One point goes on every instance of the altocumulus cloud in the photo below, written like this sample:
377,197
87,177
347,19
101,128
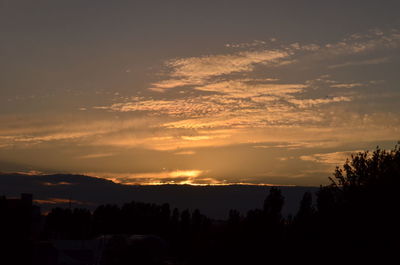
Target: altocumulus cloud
293,95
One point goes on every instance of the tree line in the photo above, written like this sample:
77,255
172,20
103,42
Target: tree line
353,220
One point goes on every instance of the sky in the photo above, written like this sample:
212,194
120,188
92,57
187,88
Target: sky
197,92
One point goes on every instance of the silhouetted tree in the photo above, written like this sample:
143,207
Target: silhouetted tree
197,219
106,219
273,205
357,210
306,208
234,217
185,220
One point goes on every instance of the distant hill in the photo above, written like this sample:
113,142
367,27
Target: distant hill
84,191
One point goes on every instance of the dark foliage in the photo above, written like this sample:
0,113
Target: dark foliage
354,220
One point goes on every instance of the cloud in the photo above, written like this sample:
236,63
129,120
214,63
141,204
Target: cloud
31,130
182,177
333,158
248,96
348,85
239,89
185,152
306,103
60,200
96,155
195,68
235,104
196,138
192,106
200,70
163,85
254,43
62,183
192,177
361,43
362,62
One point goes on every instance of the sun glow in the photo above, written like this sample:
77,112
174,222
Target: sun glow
177,177
186,173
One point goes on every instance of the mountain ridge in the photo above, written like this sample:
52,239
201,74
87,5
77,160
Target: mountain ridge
88,192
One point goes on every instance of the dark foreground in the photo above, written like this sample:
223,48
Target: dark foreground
353,221
65,190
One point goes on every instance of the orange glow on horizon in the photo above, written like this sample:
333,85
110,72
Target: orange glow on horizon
149,179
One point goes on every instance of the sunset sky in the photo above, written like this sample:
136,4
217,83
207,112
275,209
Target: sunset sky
197,92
